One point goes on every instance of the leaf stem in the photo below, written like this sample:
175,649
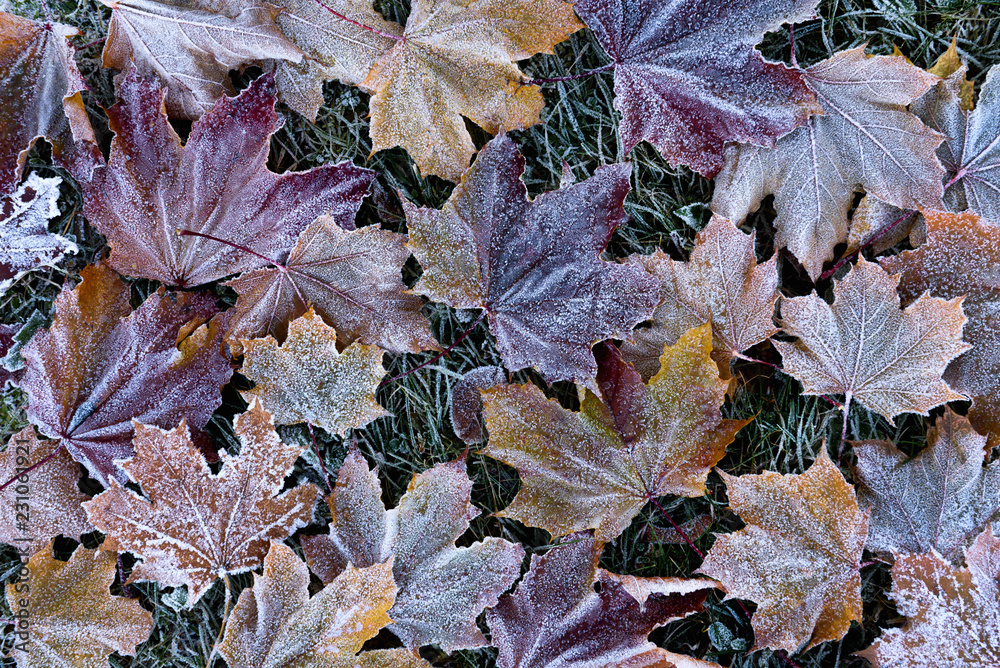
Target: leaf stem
222,626
572,77
33,466
439,355
358,24
190,233
843,428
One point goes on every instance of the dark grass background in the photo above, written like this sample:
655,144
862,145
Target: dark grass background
667,205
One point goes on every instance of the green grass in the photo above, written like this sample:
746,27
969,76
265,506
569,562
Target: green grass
667,205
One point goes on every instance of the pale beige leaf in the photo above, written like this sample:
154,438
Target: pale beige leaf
307,380
865,140
721,283
866,348
953,614
41,504
194,526
276,625
192,44
797,558
442,588
73,621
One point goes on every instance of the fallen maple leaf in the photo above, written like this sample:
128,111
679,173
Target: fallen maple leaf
350,277
534,266
307,380
217,183
41,86
721,283
100,365
797,558
865,139
688,79
959,260
191,45
25,241
866,348
596,469
39,507
451,60
276,625
194,526
442,588
938,499
953,614
971,150
73,620
558,614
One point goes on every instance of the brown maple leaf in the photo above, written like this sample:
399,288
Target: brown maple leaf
307,380
276,625
953,614
350,277
71,617
866,348
596,469
40,86
194,526
865,139
939,499
442,588
25,240
567,607
960,260
39,506
217,184
534,266
721,283
100,365
797,558
452,60
191,45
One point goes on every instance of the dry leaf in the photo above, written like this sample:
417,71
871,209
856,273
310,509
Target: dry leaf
953,614
442,588
687,77
308,380
73,620
596,469
276,625
192,44
25,241
960,260
350,277
940,499
533,265
721,283
43,504
866,348
466,403
40,86
797,558
194,526
217,183
555,617
865,139
452,60
100,365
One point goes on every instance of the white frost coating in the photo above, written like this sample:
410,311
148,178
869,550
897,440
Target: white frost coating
938,500
25,241
866,139
953,613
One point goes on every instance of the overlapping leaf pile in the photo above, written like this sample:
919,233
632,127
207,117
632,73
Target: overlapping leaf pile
614,384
